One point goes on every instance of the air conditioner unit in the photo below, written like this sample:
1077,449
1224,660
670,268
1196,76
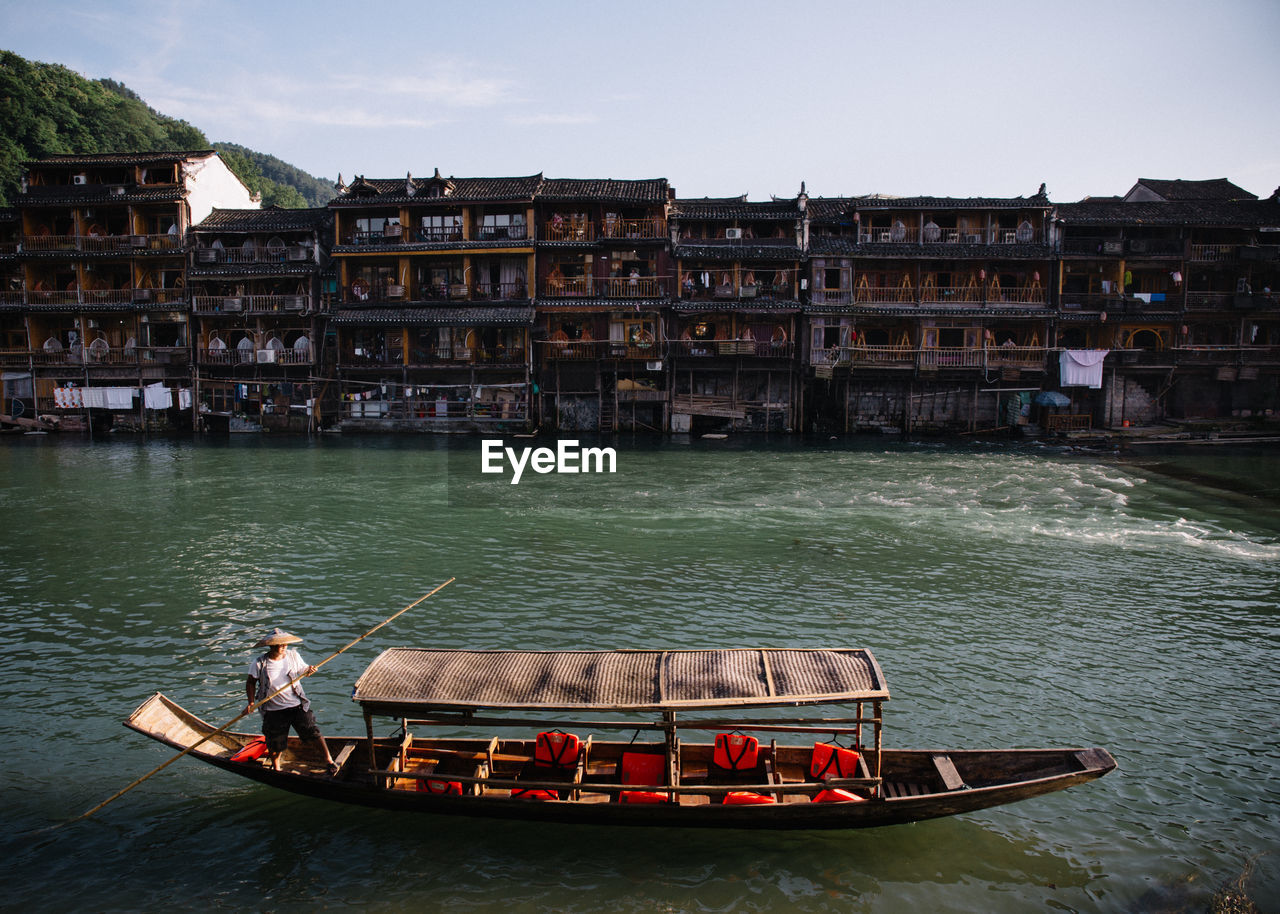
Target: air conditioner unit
733,234
232,304
1138,246
266,355
138,241
653,366
80,179
294,302
1113,247
297,252
206,255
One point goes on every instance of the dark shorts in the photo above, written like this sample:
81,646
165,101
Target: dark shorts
276,724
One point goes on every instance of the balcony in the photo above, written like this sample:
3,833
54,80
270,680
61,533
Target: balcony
101,244
512,232
102,356
250,304
1095,245
569,230
1213,253
90,298
933,234
1028,358
634,228
634,287
568,287
237,356
585,350
769,349
731,291
257,253
437,356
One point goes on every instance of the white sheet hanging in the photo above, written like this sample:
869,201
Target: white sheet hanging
1081,367
157,396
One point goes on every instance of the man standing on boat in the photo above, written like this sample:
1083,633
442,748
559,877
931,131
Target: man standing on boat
271,672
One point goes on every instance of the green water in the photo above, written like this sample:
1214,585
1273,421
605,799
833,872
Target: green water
1014,597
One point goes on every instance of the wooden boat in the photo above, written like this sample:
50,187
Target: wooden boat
572,697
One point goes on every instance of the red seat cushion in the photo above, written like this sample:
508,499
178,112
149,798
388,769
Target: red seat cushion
534,793
643,796
838,796
747,798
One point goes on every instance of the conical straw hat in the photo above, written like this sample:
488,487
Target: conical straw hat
277,636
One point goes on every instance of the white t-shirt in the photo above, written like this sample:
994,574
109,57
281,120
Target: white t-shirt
278,673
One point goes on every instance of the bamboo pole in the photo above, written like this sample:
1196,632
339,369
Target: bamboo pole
249,710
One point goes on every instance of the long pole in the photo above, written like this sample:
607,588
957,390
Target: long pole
249,710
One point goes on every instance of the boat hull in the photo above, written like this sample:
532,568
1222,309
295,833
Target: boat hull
999,776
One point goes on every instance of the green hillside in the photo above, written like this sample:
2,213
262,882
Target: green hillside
47,109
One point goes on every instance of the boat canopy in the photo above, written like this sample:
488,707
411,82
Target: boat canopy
404,680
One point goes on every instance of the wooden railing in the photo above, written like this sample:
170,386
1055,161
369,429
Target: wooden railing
601,349
847,355
634,228
92,297
576,287
950,295
1029,357
254,254
236,356
249,304
634,287
422,409
1210,301
769,349
499,291
1209,253
513,232
569,230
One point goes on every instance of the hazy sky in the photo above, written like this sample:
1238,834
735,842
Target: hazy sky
721,98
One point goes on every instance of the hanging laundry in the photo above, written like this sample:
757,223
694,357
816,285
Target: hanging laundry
94,397
1081,367
157,396
119,397
184,398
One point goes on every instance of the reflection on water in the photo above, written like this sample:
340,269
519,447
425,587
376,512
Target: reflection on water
1013,597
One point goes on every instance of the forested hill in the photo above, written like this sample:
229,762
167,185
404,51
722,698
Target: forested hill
47,109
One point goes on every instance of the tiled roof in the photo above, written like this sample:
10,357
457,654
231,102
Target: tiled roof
119,158
483,316
650,191
364,191
1036,201
101,194
830,209
269,219
1179,190
734,208
1226,214
820,245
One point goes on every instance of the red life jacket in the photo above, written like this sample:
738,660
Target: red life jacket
556,749
736,752
831,795
432,785
643,769
746,798
534,793
254,749
832,761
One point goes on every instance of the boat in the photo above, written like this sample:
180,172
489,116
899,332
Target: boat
599,737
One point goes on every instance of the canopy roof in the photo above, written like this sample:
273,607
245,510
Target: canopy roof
401,680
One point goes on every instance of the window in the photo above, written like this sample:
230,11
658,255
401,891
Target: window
444,227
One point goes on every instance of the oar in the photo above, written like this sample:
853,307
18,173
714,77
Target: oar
249,710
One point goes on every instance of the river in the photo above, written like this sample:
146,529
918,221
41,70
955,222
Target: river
1015,596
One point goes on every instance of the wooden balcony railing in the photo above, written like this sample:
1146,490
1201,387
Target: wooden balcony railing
1213,253
569,230
101,244
90,298
1026,357
1210,301
950,295
634,287
634,228
292,253
249,304
237,356
601,349
415,409
911,234
108,357
500,291
730,290
575,287
513,232
769,349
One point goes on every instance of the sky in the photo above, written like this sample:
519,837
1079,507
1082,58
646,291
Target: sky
896,97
